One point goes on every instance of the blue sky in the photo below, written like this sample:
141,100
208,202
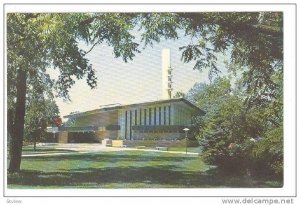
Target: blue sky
136,81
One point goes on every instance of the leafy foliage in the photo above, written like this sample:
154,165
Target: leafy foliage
254,42
40,41
37,42
235,137
39,115
57,121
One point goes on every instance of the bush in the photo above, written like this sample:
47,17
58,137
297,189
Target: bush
268,153
230,158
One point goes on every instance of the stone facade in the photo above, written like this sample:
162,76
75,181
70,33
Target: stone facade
63,137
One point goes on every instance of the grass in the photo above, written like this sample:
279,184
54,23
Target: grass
41,150
123,169
182,149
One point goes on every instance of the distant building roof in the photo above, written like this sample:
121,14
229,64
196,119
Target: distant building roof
117,107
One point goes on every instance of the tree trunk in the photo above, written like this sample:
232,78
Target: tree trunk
34,142
10,129
16,142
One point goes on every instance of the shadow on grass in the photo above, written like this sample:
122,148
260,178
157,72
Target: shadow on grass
163,176
25,151
147,175
129,170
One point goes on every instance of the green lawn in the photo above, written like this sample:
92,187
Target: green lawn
123,169
31,151
183,149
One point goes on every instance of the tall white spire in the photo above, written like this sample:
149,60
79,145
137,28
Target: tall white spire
166,74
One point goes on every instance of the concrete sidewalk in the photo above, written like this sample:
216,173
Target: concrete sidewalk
90,148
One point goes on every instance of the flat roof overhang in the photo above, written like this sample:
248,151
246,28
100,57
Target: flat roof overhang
90,128
118,107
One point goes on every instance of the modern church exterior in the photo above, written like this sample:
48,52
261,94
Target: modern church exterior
162,119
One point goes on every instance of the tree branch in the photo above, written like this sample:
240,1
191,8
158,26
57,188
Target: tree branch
92,47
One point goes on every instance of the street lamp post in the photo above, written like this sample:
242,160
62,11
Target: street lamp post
186,132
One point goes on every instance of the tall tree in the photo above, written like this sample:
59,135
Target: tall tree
37,42
40,113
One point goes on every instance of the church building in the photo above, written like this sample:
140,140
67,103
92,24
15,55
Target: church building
162,119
